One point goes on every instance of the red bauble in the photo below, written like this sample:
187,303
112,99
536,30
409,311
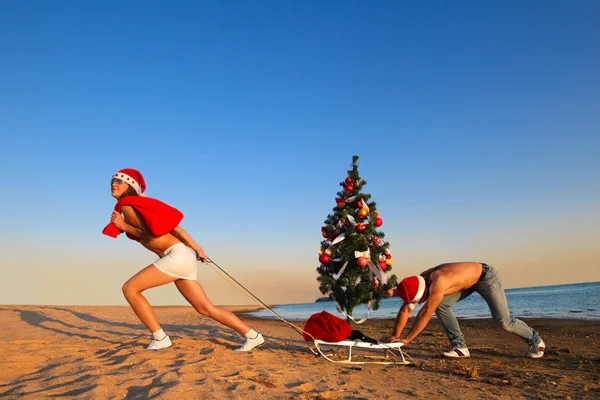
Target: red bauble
375,283
378,222
362,213
382,265
348,181
375,241
390,292
388,256
362,262
349,188
324,258
360,227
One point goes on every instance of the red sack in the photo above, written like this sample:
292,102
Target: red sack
327,327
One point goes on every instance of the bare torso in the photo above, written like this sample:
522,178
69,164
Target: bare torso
156,244
452,278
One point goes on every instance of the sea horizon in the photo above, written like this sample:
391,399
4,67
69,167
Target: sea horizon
568,301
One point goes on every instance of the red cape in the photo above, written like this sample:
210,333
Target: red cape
159,217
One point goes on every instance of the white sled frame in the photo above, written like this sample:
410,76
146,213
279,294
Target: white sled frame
392,352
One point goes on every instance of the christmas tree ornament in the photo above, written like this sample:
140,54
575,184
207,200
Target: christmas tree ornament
349,188
362,262
348,181
378,222
390,292
360,204
382,265
360,227
388,255
362,213
375,283
388,261
324,259
340,202
377,215
323,232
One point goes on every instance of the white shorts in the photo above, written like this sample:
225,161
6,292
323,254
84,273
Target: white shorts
178,261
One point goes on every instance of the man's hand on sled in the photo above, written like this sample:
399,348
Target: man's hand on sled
390,339
403,341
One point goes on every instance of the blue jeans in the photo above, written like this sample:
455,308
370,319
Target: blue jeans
490,288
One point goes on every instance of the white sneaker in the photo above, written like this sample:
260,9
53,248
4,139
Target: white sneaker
458,353
160,344
537,351
252,343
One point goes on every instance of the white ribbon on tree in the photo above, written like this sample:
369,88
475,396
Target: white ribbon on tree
339,308
366,254
337,276
378,272
338,239
335,241
365,205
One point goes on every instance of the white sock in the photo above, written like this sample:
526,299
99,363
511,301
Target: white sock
159,334
251,334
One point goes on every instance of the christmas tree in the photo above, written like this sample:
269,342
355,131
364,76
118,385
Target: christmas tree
355,259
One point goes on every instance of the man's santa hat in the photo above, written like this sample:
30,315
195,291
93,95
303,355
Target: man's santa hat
411,290
133,177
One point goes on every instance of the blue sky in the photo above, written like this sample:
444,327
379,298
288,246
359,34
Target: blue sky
476,124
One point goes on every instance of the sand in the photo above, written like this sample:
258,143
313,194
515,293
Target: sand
98,353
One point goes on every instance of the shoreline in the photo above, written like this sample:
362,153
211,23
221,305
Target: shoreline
243,310
99,352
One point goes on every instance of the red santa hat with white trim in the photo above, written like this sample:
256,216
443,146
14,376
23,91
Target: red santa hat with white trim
134,178
411,290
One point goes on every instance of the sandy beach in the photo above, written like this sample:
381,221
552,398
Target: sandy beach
98,353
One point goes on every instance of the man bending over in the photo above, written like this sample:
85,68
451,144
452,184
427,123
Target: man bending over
442,286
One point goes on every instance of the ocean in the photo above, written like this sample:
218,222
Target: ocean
573,301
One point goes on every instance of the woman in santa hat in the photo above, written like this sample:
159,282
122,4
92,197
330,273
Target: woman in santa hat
155,225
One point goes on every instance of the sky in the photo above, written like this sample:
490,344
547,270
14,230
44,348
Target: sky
476,124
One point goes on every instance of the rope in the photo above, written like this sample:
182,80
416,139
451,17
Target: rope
251,295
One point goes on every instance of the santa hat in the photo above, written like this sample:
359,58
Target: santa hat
411,290
133,177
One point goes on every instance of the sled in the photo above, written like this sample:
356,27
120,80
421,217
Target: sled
389,353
